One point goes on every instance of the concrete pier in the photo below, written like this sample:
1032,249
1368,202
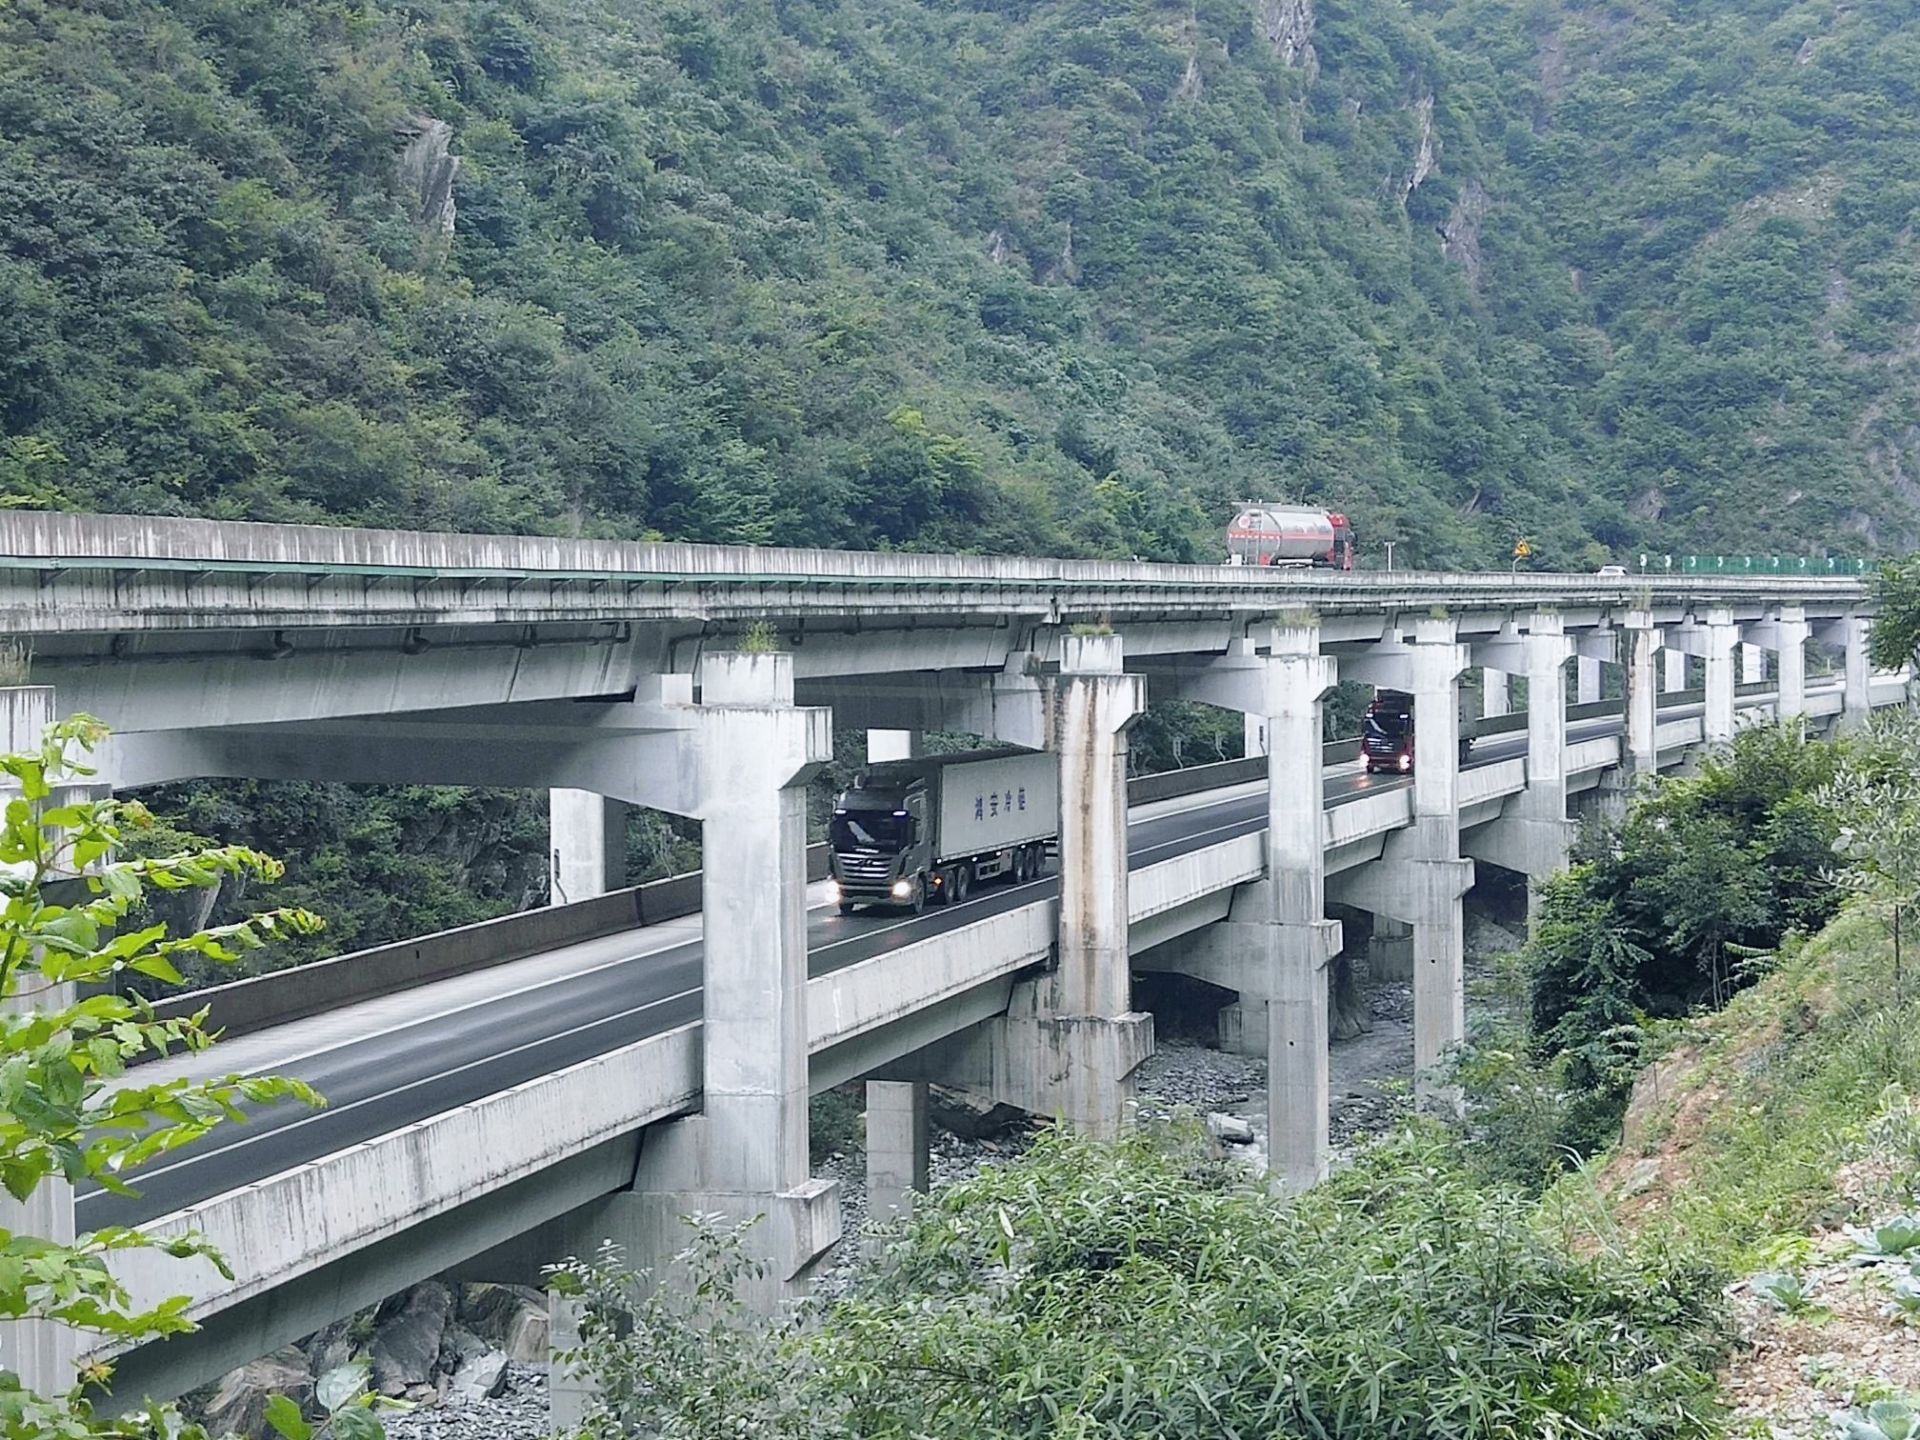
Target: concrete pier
1644,644
1791,628
1534,836
1073,1037
1856,705
1589,681
586,846
744,1157
1438,879
41,1352
1299,940
898,1158
1673,672
1422,876
1496,697
1714,640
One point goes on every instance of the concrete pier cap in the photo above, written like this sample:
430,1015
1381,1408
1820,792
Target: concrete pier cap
1092,653
746,677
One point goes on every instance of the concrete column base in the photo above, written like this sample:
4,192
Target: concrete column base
1241,1028
672,1181
1390,951
791,1233
1244,956
569,1395
1607,801
1077,1069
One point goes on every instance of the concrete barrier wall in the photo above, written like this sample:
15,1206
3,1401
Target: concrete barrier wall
245,1006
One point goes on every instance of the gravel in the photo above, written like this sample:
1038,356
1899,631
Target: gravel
519,1413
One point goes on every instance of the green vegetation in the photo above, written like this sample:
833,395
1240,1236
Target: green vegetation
999,275
69,1112
1756,1115
1681,904
1141,1289
1799,1060
1895,640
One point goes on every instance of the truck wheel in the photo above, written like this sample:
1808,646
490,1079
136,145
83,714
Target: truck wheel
962,883
1020,870
918,902
846,907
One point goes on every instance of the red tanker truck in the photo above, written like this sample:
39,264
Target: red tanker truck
1263,533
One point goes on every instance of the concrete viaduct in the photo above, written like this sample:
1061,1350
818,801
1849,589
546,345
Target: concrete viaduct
529,1087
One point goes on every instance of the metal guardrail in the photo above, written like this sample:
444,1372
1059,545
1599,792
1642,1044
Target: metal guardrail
1755,565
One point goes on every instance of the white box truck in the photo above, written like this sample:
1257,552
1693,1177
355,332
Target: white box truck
914,832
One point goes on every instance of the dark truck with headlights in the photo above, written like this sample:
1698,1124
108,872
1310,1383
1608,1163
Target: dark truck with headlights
1387,731
908,833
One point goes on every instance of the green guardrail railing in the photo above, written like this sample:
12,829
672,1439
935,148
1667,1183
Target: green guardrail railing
1753,565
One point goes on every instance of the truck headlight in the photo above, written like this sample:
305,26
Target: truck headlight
1406,762
902,889
833,892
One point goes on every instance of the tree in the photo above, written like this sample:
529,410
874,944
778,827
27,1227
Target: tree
70,1110
1877,795
1895,640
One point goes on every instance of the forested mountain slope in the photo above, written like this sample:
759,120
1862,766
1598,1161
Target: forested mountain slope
1059,276
1042,275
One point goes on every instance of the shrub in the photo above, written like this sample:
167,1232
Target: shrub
1142,1288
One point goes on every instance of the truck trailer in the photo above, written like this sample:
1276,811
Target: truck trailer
910,833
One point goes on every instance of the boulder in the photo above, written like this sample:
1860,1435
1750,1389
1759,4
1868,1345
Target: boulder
407,1331
330,1348
1229,1129
238,1404
970,1116
511,1318
480,1377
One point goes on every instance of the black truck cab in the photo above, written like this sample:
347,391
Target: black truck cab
1387,733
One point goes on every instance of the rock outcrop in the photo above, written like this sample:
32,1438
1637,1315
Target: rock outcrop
407,1332
1426,155
425,173
1288,28
1460,236
431,1344
238,1404
511,1318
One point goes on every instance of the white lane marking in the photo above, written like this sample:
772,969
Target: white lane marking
318,1115
322,1047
